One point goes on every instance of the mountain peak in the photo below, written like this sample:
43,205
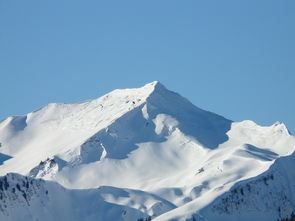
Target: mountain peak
156,85
150,88
144,91
152,150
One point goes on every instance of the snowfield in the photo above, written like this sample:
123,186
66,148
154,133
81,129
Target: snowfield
144,153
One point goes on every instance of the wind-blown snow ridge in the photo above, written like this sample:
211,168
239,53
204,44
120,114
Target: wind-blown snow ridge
180,157
64,122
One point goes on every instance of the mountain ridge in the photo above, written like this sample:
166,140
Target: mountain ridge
149,139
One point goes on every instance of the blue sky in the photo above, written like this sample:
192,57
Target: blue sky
235,58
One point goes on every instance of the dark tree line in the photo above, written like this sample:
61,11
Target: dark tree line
292,218
146,219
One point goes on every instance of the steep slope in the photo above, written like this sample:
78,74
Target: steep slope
268,196
149,139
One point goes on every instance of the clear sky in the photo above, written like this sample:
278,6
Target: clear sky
235,58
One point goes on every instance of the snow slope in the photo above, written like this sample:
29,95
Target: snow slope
172,158
268,196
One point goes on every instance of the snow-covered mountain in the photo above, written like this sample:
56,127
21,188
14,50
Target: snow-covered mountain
141,154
